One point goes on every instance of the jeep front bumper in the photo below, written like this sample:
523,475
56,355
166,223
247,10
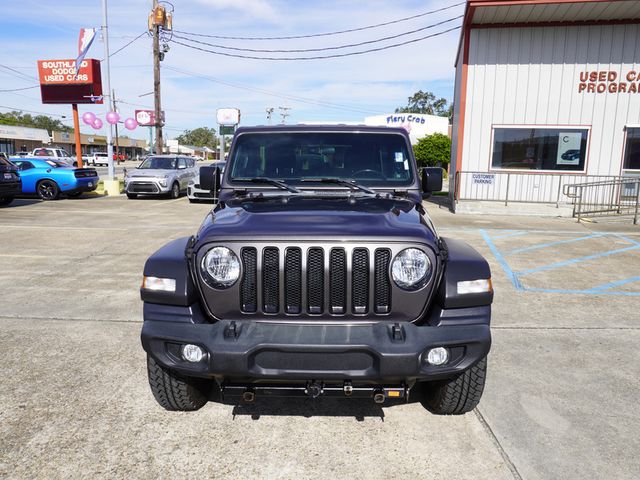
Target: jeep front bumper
251,351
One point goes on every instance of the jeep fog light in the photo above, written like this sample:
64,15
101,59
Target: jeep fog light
192,353
438,356
482,285
159,284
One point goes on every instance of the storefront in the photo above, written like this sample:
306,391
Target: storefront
547,93
21,139
129,147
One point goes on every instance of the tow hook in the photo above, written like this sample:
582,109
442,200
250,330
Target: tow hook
248,396
314,389
378,396
347,389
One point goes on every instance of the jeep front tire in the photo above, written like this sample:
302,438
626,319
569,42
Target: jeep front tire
456,396
176,392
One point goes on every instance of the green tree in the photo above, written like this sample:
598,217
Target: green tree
18,118
426,102
433,151
199,137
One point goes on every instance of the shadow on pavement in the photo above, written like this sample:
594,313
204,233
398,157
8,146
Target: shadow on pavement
309,407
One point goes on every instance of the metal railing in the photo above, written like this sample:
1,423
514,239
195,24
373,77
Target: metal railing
516,187
616,197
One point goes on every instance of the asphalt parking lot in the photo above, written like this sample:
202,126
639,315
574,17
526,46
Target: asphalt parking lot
560,400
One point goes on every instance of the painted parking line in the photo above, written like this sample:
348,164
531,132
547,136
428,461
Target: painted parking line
501,260
551,244
512,233
573,261
604,289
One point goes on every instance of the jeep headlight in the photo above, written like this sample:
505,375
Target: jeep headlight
411,269
221,267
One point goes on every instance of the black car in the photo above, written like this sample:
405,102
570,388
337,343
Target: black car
10,183
318,273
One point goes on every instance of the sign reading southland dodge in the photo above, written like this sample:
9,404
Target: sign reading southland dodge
601,81
63,72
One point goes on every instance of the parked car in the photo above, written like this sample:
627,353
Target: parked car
167,175
98,158
318,277
50,178
195,193
10,183
57,153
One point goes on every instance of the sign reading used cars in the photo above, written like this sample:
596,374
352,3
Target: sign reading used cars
63,72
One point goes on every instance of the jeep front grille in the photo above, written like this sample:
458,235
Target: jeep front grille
309,281
318,270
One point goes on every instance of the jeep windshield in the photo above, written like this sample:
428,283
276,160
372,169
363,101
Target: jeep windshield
339,159
159,163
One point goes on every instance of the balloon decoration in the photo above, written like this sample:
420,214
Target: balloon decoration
113,117
88,118
130,124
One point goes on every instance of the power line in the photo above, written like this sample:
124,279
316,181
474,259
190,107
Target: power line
338,47
127,44
326,34
19,109
272,93
19,73
318,57
19,89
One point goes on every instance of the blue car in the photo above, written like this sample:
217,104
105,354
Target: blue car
49,178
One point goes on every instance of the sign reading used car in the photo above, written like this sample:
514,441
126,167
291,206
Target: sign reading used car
63,72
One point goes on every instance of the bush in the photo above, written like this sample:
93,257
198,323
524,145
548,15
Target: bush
433,151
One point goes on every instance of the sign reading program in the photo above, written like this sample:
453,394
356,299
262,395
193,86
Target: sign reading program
601,81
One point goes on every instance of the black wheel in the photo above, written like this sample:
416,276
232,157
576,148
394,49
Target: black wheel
48,190
4,201
174,391
74,194
132,195
456,396
175,190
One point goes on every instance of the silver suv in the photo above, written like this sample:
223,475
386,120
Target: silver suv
160,175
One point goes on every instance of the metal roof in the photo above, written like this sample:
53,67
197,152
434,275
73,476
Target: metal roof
542,11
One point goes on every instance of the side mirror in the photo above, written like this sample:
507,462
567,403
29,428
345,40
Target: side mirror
210,179
431,180
182,167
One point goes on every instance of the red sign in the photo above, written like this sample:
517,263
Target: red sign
147,118
60,83
63,72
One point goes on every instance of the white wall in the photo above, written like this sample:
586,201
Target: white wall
531,76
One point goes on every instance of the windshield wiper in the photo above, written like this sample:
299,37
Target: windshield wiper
269,181
339,181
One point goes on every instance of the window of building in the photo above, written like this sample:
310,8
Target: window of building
632,149
556,149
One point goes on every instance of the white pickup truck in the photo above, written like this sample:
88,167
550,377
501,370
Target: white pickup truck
97,158
57,153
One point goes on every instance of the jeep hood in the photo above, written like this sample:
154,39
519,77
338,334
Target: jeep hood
306,218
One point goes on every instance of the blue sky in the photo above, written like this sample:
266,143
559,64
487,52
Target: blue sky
195,83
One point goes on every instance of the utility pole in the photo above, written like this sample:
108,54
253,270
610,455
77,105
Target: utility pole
113,187
156,83
115,109
269,113
284,113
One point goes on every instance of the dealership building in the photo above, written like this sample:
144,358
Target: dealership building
547,92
